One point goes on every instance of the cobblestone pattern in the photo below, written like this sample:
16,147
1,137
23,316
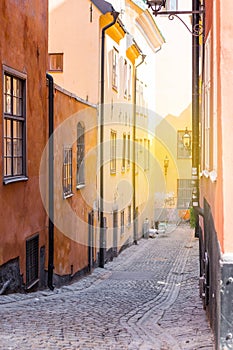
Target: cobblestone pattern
147,299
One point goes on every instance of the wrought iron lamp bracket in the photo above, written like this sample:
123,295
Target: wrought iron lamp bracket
197,29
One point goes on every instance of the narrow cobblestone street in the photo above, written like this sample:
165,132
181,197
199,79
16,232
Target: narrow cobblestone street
146,298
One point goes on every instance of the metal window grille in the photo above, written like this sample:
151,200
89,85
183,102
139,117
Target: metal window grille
67,171
184,193
14,126
32,261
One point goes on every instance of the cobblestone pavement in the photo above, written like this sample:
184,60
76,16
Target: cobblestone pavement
147,298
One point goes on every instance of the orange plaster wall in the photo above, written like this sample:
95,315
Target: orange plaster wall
219,194
71,235
24,47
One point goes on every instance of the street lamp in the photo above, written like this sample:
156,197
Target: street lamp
165,164
157,5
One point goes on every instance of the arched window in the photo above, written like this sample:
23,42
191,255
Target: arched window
80,155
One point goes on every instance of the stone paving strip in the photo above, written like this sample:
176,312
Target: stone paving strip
147,299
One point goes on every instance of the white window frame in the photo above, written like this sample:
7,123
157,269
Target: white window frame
115,69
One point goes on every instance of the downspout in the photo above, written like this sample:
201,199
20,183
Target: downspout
195,116
102,224
51,183
134,154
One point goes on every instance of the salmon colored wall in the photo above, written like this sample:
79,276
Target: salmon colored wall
75,32
218,194
71,214
23,47
226,66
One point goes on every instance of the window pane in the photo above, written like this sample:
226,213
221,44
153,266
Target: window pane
17,106
17,129
7,94
17,87
17,166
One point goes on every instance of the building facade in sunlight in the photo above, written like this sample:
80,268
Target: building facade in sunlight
100,65
215,170
24,134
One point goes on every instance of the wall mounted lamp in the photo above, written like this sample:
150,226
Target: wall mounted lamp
165,164
157,5
186,139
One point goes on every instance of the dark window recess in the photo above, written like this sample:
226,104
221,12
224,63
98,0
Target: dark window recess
32,261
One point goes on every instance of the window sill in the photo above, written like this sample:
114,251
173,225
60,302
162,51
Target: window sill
65,196
10,180
79,187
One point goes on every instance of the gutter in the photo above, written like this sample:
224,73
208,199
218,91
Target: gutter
115,15
135,214
51,183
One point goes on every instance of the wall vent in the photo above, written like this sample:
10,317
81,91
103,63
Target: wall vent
32,261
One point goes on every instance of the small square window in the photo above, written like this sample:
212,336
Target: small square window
56,62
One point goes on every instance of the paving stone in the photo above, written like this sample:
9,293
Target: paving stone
147,299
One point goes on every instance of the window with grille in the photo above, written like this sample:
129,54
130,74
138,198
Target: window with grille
80,155
67,171
32,261
184,193
113,152
14,127
56,62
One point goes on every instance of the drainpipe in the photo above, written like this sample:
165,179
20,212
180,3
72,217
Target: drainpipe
134,154
51,183
195,117
102,221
